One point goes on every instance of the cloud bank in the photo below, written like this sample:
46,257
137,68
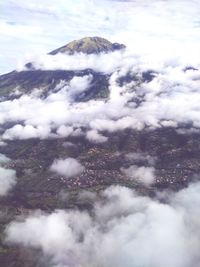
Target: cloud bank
170,99
125,230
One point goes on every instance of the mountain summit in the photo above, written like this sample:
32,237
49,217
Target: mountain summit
89,45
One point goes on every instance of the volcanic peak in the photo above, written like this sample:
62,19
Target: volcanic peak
89,45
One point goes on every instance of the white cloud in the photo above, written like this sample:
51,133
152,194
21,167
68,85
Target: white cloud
69,91
7,180
144,175
80,84
125,229
69,167
95,137
170,99
26,132
103,63
64,131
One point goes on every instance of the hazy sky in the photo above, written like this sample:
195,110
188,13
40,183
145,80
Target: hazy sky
34,27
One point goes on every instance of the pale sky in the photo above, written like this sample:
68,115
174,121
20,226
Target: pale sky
34,27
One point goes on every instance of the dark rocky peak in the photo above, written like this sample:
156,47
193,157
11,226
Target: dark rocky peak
89,45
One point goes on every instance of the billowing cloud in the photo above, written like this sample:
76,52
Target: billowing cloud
64,131
94,137
69,167
170,99
79,84
26,132
125,229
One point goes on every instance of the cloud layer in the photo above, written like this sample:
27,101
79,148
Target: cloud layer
125,230
170,99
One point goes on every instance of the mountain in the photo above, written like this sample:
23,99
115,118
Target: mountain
26,81
89,45
56,114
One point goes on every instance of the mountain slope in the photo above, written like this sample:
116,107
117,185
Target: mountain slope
108,121
89,45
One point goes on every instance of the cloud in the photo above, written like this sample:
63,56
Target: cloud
124,229
71,90
144,175
69,167
94,137
7,179
64,131
102,63
25,27
80,84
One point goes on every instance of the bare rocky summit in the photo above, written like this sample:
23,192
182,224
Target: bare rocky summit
89,45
